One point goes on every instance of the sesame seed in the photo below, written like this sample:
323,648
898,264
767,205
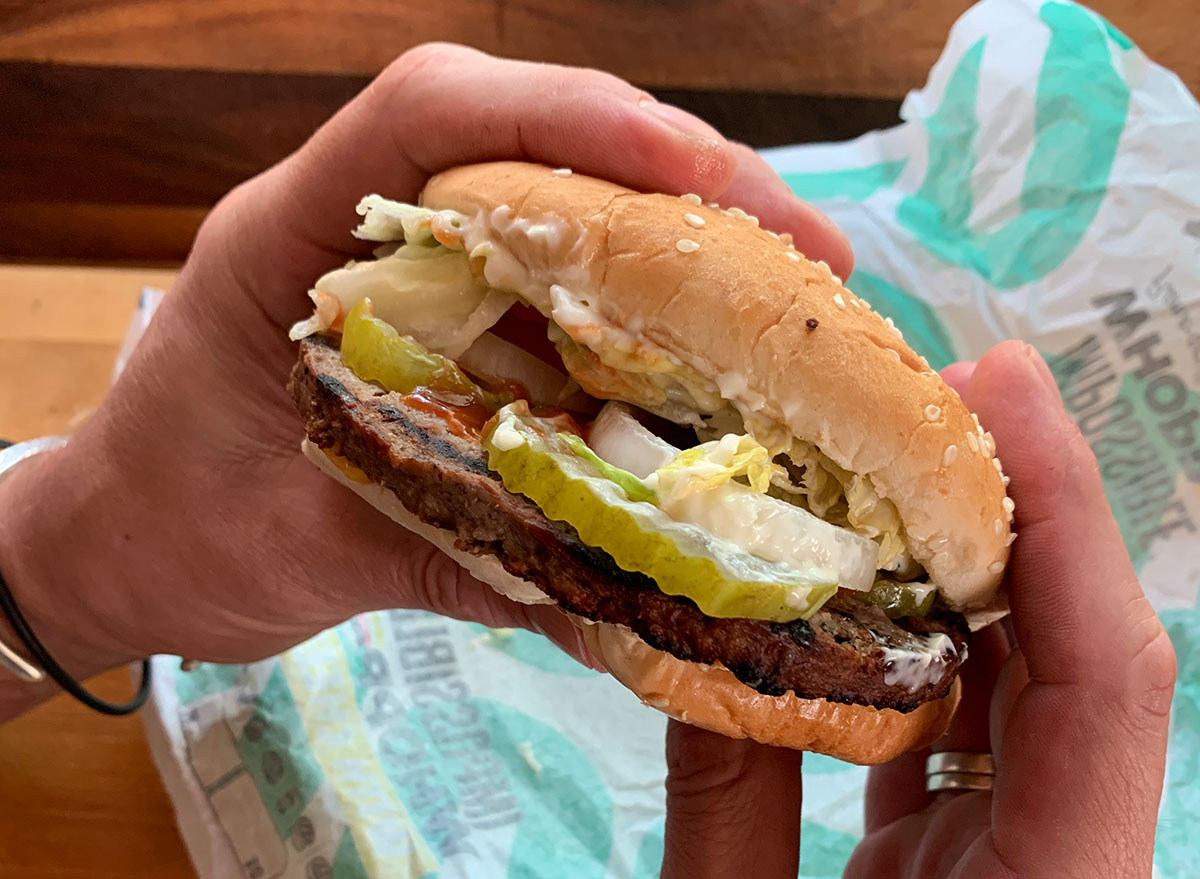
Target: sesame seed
1012,536
889,323
738,212
998,526
786,238
1008,504
950,456
894,353
561,172
686,245
694,220
793,256
691,198
973,442
713,205
838,300
978,426
938,542
837,280
753,219
856,304
995,567
825,269
1004,480
932,412
774,235
988,444
996,464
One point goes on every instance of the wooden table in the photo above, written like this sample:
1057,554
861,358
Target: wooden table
123,121
79,796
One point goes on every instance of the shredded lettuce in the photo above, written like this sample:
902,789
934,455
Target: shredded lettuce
847,499
387,220
428,293
715,463
722,487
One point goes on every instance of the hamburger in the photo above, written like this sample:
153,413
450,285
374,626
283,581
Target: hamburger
768,514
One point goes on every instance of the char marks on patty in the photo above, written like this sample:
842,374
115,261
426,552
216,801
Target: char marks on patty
838,654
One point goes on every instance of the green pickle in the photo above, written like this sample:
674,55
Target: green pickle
634,488
533,458
898,599
375,352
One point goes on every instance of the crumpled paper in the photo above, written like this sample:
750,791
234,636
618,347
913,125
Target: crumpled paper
1043,185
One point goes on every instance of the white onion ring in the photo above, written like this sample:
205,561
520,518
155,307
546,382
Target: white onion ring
492,356
623,441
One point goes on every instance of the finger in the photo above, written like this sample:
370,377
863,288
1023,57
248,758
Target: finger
1013,678
969,730
958,375
759,190
439,106
733,807
1071,577
897,788
1086,738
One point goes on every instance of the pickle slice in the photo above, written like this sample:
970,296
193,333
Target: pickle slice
634,487
375,352
681,558
901,599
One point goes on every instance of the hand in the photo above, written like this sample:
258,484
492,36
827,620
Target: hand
182,518
1075,713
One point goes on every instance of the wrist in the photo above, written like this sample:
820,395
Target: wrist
57,563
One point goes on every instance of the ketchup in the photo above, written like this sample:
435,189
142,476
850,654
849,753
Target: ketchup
465,419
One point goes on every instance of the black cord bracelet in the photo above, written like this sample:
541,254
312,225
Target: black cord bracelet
58,673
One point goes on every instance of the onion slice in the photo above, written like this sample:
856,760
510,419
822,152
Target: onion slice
492,356
623,441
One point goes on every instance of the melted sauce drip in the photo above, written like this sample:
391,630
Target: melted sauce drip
464,416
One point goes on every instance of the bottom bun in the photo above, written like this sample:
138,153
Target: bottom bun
712,698
706,696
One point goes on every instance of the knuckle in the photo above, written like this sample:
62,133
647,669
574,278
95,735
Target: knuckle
423,59
1153,672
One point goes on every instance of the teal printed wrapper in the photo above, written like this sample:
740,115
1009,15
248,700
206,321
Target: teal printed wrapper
1043,185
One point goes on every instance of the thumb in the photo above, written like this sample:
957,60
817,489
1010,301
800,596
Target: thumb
733,807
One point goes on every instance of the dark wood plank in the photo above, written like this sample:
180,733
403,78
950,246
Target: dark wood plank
120,164
872,48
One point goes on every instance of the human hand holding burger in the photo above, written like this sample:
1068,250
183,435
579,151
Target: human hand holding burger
200,531
1075,710
194,524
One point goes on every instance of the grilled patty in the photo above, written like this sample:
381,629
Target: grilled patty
440,474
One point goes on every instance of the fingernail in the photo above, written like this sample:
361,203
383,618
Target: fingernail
1041,368
681,120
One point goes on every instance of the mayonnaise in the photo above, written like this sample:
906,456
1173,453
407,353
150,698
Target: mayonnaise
919,666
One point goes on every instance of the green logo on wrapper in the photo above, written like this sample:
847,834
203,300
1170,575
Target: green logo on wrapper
1081,105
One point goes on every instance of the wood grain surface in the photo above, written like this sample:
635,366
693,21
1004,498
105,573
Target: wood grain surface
871,48
79,796
123,163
